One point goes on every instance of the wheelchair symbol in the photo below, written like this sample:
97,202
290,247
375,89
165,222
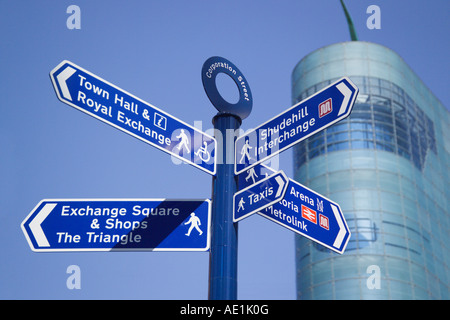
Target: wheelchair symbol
203,153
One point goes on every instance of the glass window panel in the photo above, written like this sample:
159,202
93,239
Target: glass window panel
341,268
390,202
387,163
344,199
366,199
384,137
399,98
361,135
385,147
389,182
316,152
383,108
321,272
361,115
410,206
374,81
362,144
363,107
338,179
338,146
380,100
305,281
385,84
403,144
339,161
414,247
323,292
404,153
320,141
364,178
356,66
347,289
300,148
382,117
401,123
396,240
341,136
394,227
385,92
341,126
362,98
400,290
375,90
393,249
419,275
358,80
334,68
319,184
361,126
384,127
408,188
316,168
398,269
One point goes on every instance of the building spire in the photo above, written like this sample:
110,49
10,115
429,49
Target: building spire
351,27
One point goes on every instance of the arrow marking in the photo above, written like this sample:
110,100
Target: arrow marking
35,225
62,78
347,94
340,237
280,186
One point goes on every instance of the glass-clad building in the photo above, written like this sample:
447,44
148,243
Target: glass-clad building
387,165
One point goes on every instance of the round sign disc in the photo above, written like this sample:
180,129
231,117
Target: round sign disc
211,68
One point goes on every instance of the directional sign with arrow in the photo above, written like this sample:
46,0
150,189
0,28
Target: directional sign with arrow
260,195
311,215
299,122
303,211
118,225
106,102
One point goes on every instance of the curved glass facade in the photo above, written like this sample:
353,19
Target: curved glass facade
387,165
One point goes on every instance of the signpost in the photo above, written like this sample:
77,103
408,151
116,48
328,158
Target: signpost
104,101
224,242
299,122
63,225
118,225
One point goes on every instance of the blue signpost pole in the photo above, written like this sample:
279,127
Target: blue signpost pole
224,238
224,242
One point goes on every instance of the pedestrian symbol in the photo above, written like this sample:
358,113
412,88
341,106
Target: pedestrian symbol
184,141
195,223
241,205
245,151
251,175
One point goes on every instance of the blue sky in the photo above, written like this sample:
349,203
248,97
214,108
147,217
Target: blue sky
155,50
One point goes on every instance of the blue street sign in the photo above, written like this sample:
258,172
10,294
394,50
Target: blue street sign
303,211
260,195
299,122
119,225
311,215
106,102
